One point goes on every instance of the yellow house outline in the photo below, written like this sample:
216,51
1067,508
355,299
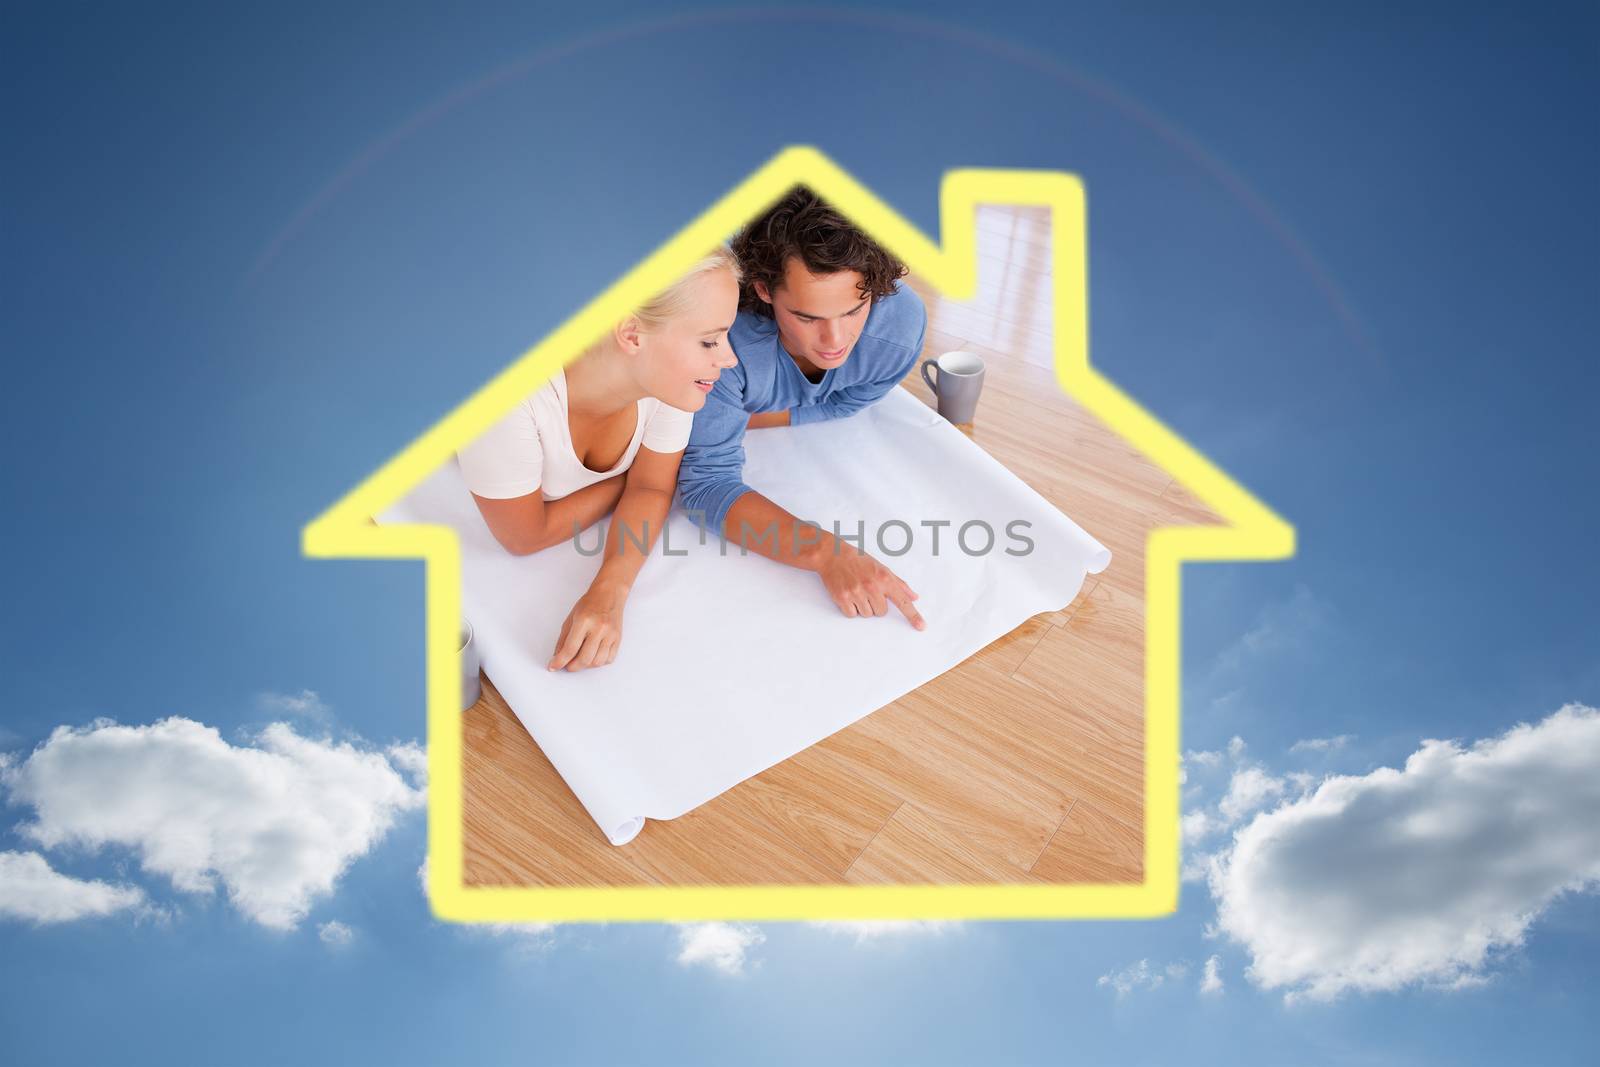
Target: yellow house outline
1251,531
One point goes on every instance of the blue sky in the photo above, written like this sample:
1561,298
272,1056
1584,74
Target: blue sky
1347,251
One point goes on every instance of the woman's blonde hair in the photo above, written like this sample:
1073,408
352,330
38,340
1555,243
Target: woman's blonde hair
674,299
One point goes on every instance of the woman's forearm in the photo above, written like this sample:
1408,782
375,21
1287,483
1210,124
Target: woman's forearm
640,516
564,518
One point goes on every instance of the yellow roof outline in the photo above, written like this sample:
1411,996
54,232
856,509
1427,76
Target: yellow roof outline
1251,531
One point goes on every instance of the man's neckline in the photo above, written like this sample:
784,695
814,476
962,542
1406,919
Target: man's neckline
796,365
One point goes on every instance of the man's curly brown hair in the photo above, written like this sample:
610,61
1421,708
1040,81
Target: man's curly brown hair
803,224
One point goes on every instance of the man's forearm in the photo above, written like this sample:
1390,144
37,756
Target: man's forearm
765,528
763,419
859,585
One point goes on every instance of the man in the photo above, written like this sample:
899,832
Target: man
824,329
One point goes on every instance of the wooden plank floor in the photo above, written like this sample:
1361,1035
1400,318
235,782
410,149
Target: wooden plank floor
1022,764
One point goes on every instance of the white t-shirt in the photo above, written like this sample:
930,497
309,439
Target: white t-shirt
531,448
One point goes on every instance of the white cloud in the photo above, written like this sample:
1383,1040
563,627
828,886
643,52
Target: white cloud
413,759
1283,633
1198,825
31,890
1211,980
875,930
1420,876
1144,976
1250,789
1322,744
335,933
722,946
305,704
1134,977
1228,701
275,824
1203,759
1196,867
1281,627
526,937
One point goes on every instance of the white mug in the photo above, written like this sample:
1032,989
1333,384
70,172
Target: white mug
959,380
471,688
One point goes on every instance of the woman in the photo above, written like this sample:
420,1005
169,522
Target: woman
608,432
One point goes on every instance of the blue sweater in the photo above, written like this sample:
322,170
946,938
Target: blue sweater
767,379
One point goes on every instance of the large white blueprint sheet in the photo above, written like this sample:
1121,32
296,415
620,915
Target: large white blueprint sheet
730,664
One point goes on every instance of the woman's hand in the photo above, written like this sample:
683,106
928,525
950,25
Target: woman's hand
593,630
